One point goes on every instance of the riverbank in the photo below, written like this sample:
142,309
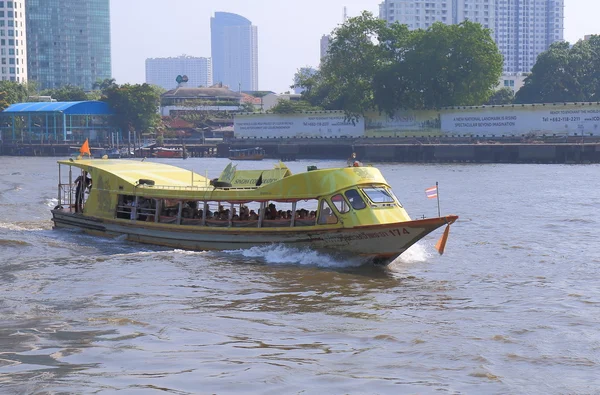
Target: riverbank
565,149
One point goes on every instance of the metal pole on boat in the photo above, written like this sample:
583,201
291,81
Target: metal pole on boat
437,189
70,187
59,202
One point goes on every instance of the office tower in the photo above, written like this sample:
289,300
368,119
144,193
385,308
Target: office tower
234,42
164,71
13,41
522,29
325,39
68,42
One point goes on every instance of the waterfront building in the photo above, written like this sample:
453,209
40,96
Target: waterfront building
68,42
184,101
521,29
234,48
13,39
163,72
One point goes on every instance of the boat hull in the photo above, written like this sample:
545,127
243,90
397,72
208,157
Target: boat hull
248,157
379,244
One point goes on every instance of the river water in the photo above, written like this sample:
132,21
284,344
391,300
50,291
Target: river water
512,307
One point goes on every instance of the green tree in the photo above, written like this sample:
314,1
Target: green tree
345,80
550,80
135,106
102,85
293,106
445,65
501,96
66,93
12,92
564,73
371,66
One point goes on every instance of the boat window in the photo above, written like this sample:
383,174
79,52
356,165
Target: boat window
340,204
395,197
356,201
326,215
378,195
168,211
306,212
278,215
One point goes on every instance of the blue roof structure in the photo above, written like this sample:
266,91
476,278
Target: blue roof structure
68,107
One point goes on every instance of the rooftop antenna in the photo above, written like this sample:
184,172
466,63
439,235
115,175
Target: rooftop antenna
345,14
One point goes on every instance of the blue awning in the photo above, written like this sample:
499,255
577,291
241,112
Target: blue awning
69,108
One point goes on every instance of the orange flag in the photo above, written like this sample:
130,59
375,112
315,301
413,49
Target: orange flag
441,244
85,148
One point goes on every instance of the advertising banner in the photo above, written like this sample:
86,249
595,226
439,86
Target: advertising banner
549,119
403,124
319,124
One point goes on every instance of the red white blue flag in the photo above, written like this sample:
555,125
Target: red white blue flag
431,192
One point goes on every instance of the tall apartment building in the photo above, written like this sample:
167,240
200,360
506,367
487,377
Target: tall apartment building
68,42
325,39
522,29
13,41
164,71
234,49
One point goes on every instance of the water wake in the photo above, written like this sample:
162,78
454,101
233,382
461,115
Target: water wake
278,254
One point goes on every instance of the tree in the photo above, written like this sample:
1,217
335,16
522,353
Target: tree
135,106
564,73
66,93
102,85
293,106
501,96
372,66
12,92
345,80
443,66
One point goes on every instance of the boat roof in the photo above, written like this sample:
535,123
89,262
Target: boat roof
132,171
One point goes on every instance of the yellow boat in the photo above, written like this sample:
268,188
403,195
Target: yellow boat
350,210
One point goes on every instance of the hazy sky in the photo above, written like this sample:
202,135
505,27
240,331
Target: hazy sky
289,31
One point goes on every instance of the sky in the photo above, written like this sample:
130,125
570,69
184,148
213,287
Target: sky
289,31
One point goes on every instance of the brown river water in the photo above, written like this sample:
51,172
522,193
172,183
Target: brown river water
512,307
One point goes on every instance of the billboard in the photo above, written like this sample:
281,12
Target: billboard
548,119
403,123
314,124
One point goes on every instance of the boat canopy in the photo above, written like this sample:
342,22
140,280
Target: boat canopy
132,172
249,178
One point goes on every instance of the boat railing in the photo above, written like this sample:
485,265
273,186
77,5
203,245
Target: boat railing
204,188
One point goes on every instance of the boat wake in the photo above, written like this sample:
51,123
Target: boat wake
279,254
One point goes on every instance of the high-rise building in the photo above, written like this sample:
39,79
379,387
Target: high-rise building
68,42
234,47
164,71
522,29
325,39
13,41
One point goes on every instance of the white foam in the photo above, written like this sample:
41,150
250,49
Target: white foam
280,254
52,202
417,253
20,228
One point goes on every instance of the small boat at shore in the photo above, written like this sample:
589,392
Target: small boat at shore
256,153
161,152
350,211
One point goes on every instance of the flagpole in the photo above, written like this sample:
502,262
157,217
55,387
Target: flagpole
438,198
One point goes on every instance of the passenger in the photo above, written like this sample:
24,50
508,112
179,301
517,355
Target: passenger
351,160
133,210
253,216
83,183
271,212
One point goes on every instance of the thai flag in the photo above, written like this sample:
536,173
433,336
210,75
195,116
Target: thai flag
431,192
